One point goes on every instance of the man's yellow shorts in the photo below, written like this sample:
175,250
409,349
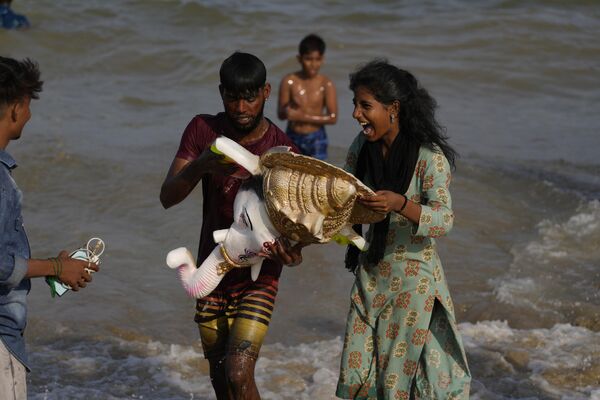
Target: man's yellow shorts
236,319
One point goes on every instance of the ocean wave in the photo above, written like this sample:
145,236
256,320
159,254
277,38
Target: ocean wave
557,273
562,361
130,365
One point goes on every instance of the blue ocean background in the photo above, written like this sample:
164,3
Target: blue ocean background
518,87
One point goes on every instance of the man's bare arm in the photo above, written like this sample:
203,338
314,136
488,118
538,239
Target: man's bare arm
179,182
184,175
71,271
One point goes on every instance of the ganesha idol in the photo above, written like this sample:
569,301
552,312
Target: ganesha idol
298,197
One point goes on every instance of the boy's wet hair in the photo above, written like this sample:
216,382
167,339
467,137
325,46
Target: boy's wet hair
242,74
311,43
18,80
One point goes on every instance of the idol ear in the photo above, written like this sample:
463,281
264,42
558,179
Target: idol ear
220,235
346,236
238,154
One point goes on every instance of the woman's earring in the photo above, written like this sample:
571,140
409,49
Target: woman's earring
392,118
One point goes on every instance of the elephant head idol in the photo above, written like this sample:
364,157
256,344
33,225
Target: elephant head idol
299,197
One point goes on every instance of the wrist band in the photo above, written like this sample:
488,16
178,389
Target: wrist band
404,205
56,267
60,267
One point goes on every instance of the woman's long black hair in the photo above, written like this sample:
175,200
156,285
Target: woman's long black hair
418,127
387,84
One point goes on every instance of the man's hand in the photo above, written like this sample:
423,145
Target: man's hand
283,251
184,175
74,271
217,164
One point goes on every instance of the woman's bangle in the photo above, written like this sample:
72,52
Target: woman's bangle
404,204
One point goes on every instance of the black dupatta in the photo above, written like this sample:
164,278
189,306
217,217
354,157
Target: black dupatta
393,173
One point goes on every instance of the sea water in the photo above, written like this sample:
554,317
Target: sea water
518,87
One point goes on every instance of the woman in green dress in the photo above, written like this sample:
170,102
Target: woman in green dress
401,337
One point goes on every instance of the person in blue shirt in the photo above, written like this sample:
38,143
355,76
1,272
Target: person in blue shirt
19,83
9,19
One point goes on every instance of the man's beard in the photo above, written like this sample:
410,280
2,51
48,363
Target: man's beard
250,126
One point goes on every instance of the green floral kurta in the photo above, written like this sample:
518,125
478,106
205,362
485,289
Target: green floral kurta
401,331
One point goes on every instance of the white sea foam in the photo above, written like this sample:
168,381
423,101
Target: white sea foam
561,361
306,371
117,369
505,363
504,292
579,235
561,263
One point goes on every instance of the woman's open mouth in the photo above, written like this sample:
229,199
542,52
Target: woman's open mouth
368,130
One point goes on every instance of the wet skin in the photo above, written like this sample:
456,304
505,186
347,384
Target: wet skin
245,110
304,95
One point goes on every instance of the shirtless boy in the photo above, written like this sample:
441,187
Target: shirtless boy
307,99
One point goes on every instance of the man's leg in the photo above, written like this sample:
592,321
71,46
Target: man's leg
240,371
241,359
218,378
252,317
213,326
13,383
213,335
